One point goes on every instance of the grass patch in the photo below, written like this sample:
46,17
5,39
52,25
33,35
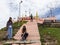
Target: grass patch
52,31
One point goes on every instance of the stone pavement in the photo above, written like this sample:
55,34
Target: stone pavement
32,29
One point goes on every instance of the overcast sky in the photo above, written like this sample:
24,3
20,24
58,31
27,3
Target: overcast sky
11,8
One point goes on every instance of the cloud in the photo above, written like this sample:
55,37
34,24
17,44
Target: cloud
11,8
58,17
4,13
34,5
55,12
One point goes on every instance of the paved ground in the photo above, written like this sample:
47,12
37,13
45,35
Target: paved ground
1,43
32,29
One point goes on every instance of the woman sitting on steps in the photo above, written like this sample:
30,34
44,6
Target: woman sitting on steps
24,34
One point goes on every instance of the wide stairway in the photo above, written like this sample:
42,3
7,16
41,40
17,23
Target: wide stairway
32,29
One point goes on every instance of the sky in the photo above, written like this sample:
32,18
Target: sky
10,8
32,6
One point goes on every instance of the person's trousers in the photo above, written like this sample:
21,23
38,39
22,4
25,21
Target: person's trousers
9,32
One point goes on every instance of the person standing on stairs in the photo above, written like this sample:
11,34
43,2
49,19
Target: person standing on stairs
31,17
9,28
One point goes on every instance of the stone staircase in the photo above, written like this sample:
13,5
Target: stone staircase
32,29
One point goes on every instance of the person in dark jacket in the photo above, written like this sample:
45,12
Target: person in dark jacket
9,28
24,33
31,17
